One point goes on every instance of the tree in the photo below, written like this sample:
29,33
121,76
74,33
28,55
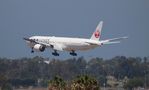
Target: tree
35,70
6,86
3,80
133,83
57,84
84,82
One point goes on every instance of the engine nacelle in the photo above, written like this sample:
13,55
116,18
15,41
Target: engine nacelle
39,47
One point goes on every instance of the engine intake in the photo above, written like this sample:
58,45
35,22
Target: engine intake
39,47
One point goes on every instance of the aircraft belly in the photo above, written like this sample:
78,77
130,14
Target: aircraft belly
84,47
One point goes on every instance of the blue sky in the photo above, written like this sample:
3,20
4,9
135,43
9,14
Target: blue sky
75,18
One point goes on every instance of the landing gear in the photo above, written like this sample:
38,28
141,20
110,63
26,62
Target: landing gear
73,53
55,53
32,51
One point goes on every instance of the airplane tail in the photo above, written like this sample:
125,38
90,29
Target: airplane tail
97,33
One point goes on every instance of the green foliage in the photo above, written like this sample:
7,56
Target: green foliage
6,86
84,82
23,82
3,80
135,82
34,70
58,83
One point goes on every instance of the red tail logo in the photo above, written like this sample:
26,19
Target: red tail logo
97,34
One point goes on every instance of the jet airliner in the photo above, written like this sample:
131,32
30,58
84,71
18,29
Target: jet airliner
40,43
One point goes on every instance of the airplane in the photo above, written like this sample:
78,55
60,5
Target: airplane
40,43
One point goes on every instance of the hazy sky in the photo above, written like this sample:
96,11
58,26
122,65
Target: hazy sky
74,18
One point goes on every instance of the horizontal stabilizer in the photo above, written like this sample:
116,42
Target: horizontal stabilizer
113,40
117,39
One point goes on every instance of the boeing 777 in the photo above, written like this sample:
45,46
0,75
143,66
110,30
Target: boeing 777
40,43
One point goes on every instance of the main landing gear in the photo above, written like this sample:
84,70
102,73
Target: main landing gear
73,53
32,51
55,53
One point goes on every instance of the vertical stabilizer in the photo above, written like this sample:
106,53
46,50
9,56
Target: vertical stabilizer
96,35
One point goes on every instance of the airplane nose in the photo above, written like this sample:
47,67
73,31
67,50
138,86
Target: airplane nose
27,39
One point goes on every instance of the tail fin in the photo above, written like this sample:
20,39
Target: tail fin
96,35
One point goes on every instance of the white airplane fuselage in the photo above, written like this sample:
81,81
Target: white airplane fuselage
68,44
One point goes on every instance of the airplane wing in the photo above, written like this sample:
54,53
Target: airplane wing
37,42
113,40
55,46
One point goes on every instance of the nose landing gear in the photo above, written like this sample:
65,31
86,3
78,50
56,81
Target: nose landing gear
32,51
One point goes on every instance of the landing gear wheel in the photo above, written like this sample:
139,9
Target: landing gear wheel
55,53
32,51
73,53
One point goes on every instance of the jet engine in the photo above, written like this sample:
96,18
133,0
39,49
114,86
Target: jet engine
39,47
